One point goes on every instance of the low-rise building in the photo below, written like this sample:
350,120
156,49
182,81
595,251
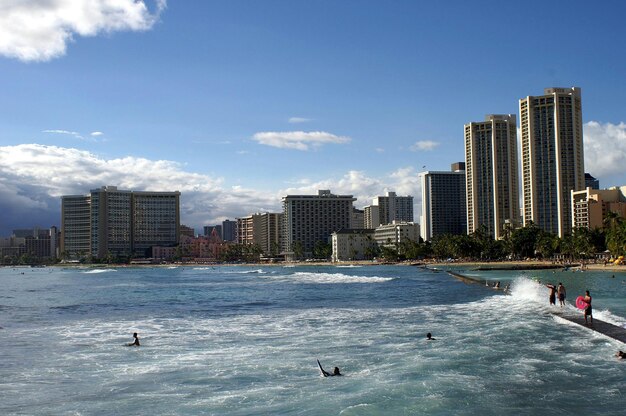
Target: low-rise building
396,233
353,244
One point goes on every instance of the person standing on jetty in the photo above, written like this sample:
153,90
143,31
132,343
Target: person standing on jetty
561,292
552,293
588,310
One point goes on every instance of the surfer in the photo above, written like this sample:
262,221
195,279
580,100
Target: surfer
552,293
135,343
429,337
326,373
561,292
588,310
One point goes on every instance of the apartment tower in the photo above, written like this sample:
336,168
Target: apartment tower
552,157
491,174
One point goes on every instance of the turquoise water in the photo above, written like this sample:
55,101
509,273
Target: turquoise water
243,341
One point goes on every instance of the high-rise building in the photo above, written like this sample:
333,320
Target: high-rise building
75,225
491,174
309,219
443,202
263,229
109,221
552,157
371,216
229,230
390,208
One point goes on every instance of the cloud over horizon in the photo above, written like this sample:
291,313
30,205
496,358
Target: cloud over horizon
298,140
35,30
33,177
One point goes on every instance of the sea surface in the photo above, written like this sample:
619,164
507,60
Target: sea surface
245,340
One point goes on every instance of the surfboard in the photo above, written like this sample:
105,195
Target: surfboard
321,369
580,302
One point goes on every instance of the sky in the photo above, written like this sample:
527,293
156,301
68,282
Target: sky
237,104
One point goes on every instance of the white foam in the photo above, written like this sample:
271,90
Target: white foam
96,271
330,278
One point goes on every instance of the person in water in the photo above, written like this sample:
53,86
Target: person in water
429,337
552,293
561,292
326,373
135,343
620,354
588,310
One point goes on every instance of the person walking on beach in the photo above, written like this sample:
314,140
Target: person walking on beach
561,292
135,343
552,293
588,310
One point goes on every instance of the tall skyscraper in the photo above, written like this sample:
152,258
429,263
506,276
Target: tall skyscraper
312,218
443,202
552,157
491,174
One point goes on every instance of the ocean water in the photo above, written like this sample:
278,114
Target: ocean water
244,341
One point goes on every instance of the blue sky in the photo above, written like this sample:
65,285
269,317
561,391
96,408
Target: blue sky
237,103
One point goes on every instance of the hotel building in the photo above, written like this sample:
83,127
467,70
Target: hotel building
443,202
590,206
491,174
552,157
308,219
263,229
109,221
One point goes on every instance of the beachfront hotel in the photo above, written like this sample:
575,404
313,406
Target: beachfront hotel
387,209
491,174
552,157
443,202
308,219
262,229
116,222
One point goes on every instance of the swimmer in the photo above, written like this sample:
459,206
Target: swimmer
620,354
429,337
135,343
326,373
561,292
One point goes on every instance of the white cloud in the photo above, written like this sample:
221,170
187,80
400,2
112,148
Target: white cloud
296,120
605,148
425,145
96,133
39,30
298,140
403,181
380,150
33,177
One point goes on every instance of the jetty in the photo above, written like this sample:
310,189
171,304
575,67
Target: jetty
605,328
